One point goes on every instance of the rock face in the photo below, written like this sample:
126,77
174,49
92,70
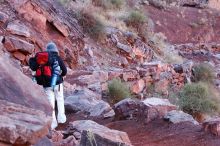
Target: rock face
24,108
99,135
37,22
179,116
87,101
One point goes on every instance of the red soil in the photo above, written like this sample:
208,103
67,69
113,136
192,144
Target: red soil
156,133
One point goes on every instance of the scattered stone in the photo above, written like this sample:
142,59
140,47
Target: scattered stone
69,141
98,134
43,142
124,47
18,29
57,136
130,75
77,135
179,116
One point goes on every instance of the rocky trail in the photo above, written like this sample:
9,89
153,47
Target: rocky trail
154,60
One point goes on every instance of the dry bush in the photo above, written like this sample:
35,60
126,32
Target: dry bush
203,72
118,90
136,19
109,4
91,24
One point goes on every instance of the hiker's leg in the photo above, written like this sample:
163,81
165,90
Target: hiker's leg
61,117
51,99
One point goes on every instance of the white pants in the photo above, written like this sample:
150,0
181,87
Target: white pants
52,94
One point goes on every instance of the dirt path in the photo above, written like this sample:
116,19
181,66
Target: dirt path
157,133
161,133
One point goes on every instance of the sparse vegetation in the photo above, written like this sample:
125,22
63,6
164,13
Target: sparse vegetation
109,4
198,98
91,138
118,90
136,19
64,2
203,72
91,24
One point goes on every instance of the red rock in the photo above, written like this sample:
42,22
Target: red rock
18,29
25,116
57,136
213,126
13,44
19,56
114,74
130,75
126,109
138,86
154,108
98,134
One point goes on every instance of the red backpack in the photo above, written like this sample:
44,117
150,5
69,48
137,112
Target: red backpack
44,70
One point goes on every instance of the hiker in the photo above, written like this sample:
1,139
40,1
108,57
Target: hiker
50,71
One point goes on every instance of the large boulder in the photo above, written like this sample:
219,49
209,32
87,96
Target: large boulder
97,134
87,101
126,109
154,108
25,111
179,116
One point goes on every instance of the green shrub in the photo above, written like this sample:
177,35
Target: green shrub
136,19
109,4
198,98
118,90
64,2
203,72
91,25
117,3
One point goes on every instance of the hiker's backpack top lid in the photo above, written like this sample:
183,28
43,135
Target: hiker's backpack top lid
42,58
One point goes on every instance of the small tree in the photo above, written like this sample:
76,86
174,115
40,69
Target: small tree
118,90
